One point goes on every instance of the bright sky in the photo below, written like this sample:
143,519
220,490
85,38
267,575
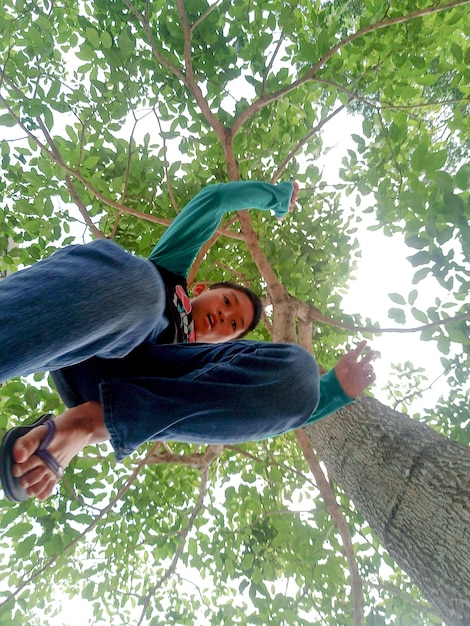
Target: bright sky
383,269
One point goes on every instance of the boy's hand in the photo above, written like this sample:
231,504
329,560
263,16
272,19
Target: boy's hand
295,193
293,200
355,375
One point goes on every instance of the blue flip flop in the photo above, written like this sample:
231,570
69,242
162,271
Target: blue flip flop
11,485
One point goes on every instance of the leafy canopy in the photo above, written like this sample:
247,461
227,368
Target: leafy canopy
114,114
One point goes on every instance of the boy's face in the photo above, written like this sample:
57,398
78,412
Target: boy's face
220,314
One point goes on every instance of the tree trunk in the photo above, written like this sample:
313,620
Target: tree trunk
413,487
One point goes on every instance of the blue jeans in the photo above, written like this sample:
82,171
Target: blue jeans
100,310
199,393
84,300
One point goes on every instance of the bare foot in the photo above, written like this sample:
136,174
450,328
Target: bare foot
76,428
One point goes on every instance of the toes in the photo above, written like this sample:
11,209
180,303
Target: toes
26,446
39,484
34,477
20,469
46,490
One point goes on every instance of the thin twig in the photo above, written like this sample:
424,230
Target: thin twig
334,510
205,14
304,140
165,164
179,550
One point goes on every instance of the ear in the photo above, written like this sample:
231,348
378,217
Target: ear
198,289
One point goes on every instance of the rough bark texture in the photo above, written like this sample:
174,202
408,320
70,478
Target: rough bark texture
413,487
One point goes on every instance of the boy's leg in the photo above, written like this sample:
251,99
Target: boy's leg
225,393
75,429
82,301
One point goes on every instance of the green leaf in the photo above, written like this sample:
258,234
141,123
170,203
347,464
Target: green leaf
397,298
398,315
419,315
93,37
454,204
420,258
445,181
7,120
412,296
415,241
462,178
86,53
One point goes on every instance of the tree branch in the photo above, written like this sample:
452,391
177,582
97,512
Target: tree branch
311,73
165,164
197,460
205,14
276,290
271,62
174,562
304,140
307,312
73,192
334,510
82,208
144,22
128,164
191,83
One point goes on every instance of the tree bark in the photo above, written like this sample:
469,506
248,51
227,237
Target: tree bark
413,487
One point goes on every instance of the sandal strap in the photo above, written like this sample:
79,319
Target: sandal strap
43,453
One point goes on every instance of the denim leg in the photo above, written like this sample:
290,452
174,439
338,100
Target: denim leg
86,300
201,393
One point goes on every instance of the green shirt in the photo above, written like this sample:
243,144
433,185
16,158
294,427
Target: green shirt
332,397
201,217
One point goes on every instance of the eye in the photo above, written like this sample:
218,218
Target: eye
227,301
234,325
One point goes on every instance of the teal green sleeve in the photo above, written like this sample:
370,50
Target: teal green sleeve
201,217
332,397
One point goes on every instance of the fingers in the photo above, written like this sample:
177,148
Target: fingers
368,357
295,193
364,365
367,368
359,349
293,200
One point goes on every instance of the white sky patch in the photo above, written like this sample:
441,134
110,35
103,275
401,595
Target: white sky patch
382,269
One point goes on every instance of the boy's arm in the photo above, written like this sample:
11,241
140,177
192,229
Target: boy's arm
346,381
201,217
332,397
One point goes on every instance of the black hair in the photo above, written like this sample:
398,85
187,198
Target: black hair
254,299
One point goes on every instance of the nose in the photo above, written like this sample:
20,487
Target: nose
222,316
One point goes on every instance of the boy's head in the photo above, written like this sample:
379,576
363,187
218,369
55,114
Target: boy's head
224,311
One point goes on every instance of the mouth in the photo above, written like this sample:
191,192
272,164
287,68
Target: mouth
211,320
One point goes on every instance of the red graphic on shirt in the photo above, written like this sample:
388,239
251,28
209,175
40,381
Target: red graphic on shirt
182,302
183,298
